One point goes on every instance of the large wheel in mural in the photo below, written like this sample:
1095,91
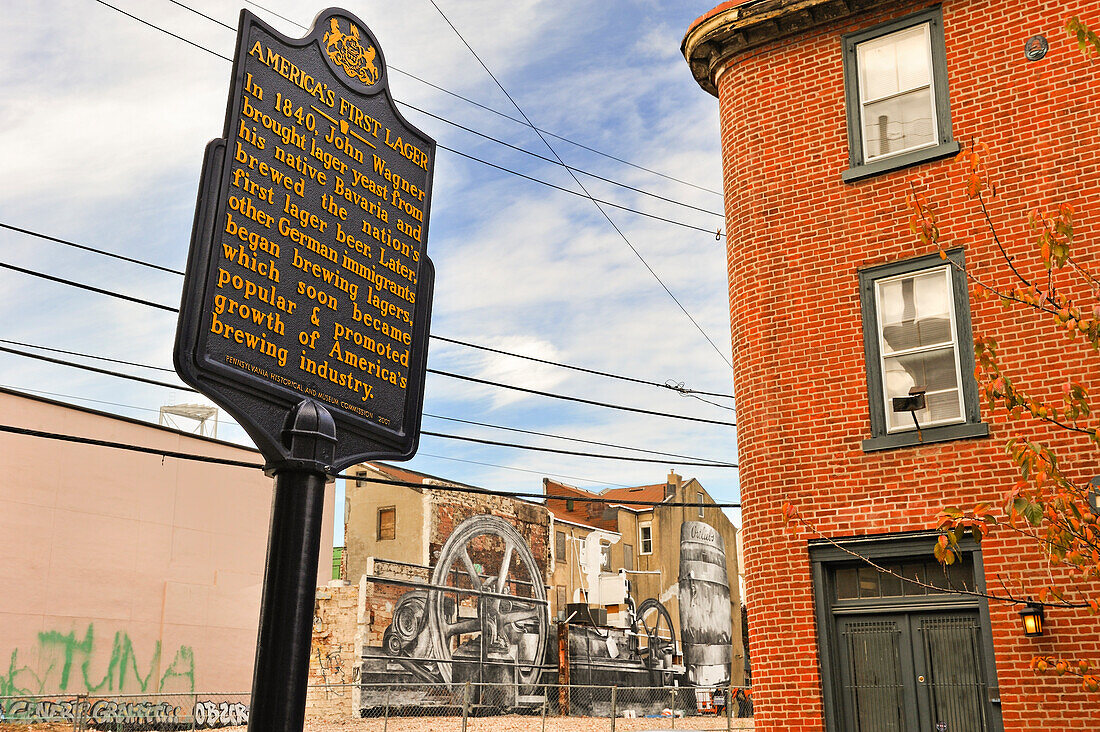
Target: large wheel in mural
486,553
653,622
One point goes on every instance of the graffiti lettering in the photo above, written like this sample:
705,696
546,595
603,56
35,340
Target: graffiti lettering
108,713
60,654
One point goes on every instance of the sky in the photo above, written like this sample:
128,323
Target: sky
103,122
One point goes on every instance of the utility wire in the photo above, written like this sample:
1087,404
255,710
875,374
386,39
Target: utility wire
154,382
592,402
702,461
452,150
476,132
11,429
90,288
679,388
582,187
496,111
577,454
105,253
560,437
552,395
88,355
139,301
162,30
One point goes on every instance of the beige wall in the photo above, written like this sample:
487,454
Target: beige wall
664,561
362,501
127,571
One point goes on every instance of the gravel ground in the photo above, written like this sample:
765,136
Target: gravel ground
476,724
522,724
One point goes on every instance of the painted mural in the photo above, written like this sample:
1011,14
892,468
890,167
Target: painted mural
482,617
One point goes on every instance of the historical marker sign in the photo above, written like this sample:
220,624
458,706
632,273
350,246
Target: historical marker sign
307,276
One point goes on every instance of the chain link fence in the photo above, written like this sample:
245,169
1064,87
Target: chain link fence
422,707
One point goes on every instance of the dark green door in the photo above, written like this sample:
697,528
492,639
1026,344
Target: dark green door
912,672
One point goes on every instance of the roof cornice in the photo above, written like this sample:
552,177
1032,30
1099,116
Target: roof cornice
733,28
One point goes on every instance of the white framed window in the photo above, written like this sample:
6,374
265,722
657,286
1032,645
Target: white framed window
645,537
918,347
897,104
895,89
916,333
699,498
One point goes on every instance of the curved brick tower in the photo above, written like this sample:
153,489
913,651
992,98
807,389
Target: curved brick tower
829,109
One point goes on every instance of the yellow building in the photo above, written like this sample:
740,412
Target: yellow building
599,546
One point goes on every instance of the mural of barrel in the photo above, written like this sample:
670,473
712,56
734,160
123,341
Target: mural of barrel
704,605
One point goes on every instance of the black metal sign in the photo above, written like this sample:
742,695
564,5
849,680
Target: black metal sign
307,277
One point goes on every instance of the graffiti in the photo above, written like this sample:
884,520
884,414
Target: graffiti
482,617
65,663
209,715
102,713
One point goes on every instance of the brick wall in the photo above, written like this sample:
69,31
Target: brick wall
334,658
796,237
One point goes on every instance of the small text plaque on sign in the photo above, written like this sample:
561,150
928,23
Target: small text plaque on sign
307,277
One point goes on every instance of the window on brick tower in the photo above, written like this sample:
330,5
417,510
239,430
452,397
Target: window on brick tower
895,78
387,523
916,332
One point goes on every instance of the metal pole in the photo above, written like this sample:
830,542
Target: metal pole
386,721
278,701
194,704
465,704
545,704
672,706
614,707
729,708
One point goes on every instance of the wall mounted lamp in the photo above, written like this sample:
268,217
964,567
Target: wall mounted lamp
1032,618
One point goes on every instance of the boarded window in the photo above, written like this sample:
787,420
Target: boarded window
699,498
628,557
559,546
387,523
360,478
559,598
605,557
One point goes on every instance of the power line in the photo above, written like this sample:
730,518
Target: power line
673,386
449,149
165,384
245,464
577,454
154,382
679,388
168,308
487,425
162,30
88,355
592,402
476,132
582,186
502,114
89,288
560,437
105,253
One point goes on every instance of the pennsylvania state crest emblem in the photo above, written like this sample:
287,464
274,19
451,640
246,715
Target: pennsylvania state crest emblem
347,52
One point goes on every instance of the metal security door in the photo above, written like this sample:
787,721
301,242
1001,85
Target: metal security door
951,687
912,672
876,660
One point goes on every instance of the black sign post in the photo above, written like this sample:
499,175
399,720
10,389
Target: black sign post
306,305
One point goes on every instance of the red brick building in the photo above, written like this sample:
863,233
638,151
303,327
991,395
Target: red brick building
828,109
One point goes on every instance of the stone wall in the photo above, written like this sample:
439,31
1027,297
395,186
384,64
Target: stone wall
334,655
